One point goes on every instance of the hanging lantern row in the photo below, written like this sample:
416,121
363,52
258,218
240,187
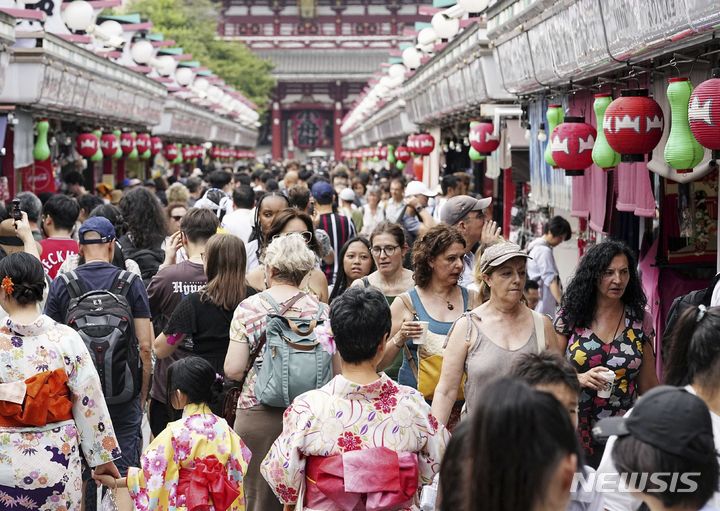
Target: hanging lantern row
421,144
704,113
483,138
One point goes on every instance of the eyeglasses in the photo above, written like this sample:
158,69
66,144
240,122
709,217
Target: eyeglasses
307,236
389,250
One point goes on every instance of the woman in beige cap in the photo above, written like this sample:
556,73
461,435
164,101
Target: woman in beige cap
485,342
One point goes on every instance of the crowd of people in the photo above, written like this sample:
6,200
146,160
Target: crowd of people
340,340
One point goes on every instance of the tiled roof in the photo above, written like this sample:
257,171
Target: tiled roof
324,63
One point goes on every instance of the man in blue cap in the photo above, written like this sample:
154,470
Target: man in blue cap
97,273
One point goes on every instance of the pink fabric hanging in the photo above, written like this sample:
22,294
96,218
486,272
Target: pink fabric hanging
598,198
626,186
581,196
644,198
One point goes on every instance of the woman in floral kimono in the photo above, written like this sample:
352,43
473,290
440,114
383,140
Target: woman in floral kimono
197,462
51,401
362,441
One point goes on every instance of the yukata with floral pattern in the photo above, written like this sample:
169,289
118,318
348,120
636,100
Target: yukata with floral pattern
40,467
198,434
345,416
624,355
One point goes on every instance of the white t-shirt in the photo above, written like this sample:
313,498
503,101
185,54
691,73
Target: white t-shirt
625,501
240,223
715,300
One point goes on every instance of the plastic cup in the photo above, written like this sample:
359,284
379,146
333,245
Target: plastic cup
609,376
421,339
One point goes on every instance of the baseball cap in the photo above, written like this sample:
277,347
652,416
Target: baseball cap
347,194
418,188
497,254
99,225
323,192
670,419
455,208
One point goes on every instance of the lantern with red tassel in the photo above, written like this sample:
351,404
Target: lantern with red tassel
633,124
171,152
424,144
87,144
402,153
572,144
109,144
156,145
127,143
704,113
482,138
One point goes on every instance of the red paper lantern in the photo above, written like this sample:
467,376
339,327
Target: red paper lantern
412,143
424,144
156,145
142,142
171,152
188,153
704,112
402,153
482,138
633,124
383,153
127,143
572,143
87,144
109,144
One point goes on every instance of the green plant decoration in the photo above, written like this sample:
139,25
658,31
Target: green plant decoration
400,165
391,154
602,154
475,155
179,158
41,150
118,153
682,151
134,154
98,156
555,115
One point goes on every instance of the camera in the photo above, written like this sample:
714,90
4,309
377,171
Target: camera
16,213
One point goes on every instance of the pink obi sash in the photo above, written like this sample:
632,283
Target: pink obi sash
376,479
207,480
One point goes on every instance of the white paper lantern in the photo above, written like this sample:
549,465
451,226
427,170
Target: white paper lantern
111,28
165,65
411,58
427,36
201,84
184,76
397,71
473,6
215,94
445,28
142,51
78,15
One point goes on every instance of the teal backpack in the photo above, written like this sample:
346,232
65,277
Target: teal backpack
293,360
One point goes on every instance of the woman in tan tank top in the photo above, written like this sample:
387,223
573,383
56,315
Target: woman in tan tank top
499,330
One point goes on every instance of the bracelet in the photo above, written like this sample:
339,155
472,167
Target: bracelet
399,346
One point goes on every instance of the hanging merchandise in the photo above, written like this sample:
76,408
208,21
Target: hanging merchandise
383,153
475,155
109,144
188,153
572,144
400,165
424,143
555,115
171,152
633,124
119,151
602,154
87,144
98,156
704,113
482,137
156,145
402,153
127,143
682,151
391,154
179,158
134,153
143,144
41,150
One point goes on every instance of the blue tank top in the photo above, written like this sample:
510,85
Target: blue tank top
405,375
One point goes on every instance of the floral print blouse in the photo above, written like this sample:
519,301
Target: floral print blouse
198,434
624,355
345,416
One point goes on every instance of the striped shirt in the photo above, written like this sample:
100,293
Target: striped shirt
340,229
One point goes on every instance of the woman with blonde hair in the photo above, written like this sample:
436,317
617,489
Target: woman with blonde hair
287,262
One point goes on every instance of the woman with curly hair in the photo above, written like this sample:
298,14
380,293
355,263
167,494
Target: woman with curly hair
604,328
436,299
147,229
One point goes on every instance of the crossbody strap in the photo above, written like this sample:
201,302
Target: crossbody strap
407,301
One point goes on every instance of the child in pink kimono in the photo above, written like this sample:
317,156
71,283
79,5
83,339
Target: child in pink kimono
362,441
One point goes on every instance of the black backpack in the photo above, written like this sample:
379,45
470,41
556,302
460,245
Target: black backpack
149,260
104,320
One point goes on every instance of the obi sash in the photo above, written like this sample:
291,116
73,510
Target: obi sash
207,480
376,479
40,400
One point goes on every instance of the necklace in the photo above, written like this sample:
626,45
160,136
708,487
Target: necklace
450,306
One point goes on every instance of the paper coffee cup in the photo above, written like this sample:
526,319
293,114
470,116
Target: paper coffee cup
421,339
606,391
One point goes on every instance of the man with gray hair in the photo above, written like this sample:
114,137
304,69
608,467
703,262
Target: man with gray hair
32,205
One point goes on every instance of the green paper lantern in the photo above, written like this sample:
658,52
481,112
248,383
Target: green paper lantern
146,155
98,156
602,154
682,151
179,158
134,154
118,153
41,150
555,115
475,155
400,165
391,154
